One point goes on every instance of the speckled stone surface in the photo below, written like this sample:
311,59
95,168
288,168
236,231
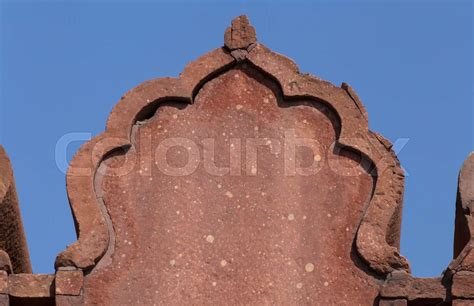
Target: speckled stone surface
254,236
242,181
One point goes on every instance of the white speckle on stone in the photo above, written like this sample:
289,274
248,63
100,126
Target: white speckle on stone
299,285
175,186
253,170
175,116
304,217
291,217
329,215
219,186
256,128
326,284
210,238
239,106
309,267
214,284
317,157
229,194
223,263
173,262
347,229
265,100
177,212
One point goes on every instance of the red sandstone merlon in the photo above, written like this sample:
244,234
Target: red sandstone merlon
12,238
261,233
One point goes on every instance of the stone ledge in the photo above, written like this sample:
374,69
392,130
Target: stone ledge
31,285
403,285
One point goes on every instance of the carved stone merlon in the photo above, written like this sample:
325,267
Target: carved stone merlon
13,248
462,267
262,227
175,204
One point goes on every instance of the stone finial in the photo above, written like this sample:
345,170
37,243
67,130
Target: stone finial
240,35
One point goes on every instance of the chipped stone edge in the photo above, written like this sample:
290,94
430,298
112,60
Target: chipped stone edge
382,215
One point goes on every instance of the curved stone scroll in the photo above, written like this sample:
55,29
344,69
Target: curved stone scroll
377,239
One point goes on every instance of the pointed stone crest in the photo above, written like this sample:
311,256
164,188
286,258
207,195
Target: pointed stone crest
240,35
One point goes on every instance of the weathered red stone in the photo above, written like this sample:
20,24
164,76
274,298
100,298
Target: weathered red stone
14,255
215,235
240,35
260,232
30,285
3,282
463,285
464,229
403,285
69,282
242,181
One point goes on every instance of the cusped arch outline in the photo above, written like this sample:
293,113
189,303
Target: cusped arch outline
378,236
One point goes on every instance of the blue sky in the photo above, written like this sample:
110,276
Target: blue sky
65,64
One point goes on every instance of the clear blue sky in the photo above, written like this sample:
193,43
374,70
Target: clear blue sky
64,65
